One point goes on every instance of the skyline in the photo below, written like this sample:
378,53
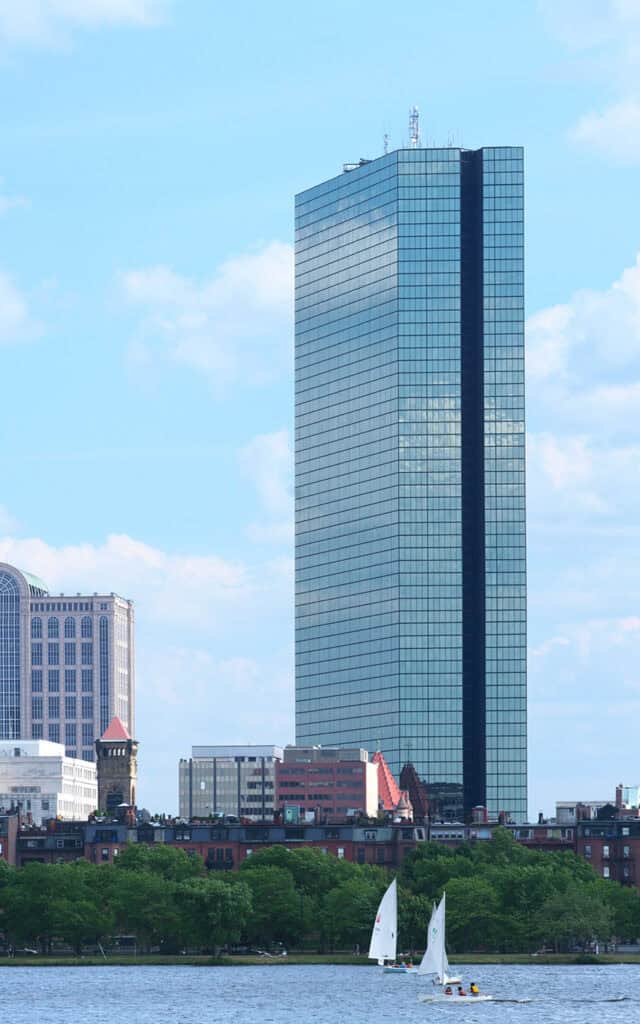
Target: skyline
146,265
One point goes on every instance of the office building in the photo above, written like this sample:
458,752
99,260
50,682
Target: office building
314,782
228,780
410,469
38,779
66,663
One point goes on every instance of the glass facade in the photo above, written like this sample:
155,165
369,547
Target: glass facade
9,657
410,516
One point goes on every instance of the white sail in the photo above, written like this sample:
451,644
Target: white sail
434,960
383,936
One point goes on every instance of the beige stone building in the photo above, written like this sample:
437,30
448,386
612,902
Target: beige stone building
66,663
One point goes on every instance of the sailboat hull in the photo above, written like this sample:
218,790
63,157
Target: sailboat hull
400,969
427,998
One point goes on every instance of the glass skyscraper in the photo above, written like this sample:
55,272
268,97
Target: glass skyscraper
410,468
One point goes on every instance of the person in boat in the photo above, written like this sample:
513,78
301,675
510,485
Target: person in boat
461,991
474,990
448,991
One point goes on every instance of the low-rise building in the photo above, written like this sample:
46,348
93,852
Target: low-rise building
228,780
319,782
38,779
612,847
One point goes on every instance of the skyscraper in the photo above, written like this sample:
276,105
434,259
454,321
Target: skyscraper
410,468
66,663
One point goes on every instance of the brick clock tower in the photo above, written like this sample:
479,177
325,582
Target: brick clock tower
117,767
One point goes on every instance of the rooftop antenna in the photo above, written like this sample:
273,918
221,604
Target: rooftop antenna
386,143
414,128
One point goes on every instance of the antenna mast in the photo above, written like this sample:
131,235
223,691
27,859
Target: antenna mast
414,128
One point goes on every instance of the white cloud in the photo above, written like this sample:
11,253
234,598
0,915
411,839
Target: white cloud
184,589
16,323
47,22
268,462
613,132
234,327
7,522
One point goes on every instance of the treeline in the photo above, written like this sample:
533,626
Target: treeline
500,897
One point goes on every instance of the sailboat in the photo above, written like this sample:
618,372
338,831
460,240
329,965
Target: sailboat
384,936
435,961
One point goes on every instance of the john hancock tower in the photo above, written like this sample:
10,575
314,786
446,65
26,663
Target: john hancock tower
410,468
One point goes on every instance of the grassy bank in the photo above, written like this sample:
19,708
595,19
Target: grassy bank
301,958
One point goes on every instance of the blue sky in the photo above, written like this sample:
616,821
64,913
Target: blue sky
148,159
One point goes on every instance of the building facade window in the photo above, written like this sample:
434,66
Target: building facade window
70,734
53,680
53,654
36,654
87,707
87,653
104,672
87,680
36,680
69,654
53,628
69,628
86,627
54,707
54,732
70,680
70,712
36,629
36,707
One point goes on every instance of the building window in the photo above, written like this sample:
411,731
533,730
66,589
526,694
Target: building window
53,628
70,628
53,654
70,737
53,680
104,672
625,830
341,853
87,707
87,736
361,856
87,653
36,680
70,680
87,680
36,654
54,707
625,851
54,732
69,654
606,872
36,731
587,850
86,627
605,851
70,711
36,629
36,707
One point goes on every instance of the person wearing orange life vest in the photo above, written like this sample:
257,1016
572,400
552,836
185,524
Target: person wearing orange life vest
448,991
461,991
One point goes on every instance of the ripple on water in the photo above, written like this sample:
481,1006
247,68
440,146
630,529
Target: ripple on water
289,994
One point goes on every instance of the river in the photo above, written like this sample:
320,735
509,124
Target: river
289,994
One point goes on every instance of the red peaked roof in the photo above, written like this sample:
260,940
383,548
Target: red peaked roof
388,790
116,730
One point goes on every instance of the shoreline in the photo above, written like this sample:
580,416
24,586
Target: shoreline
311,959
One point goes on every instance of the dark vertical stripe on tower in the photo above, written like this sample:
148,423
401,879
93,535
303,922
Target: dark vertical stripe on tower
473,526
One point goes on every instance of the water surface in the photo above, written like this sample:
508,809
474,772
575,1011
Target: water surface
289,994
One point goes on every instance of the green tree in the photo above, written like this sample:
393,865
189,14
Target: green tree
166,861
349,913
277,911
579,914
212,911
